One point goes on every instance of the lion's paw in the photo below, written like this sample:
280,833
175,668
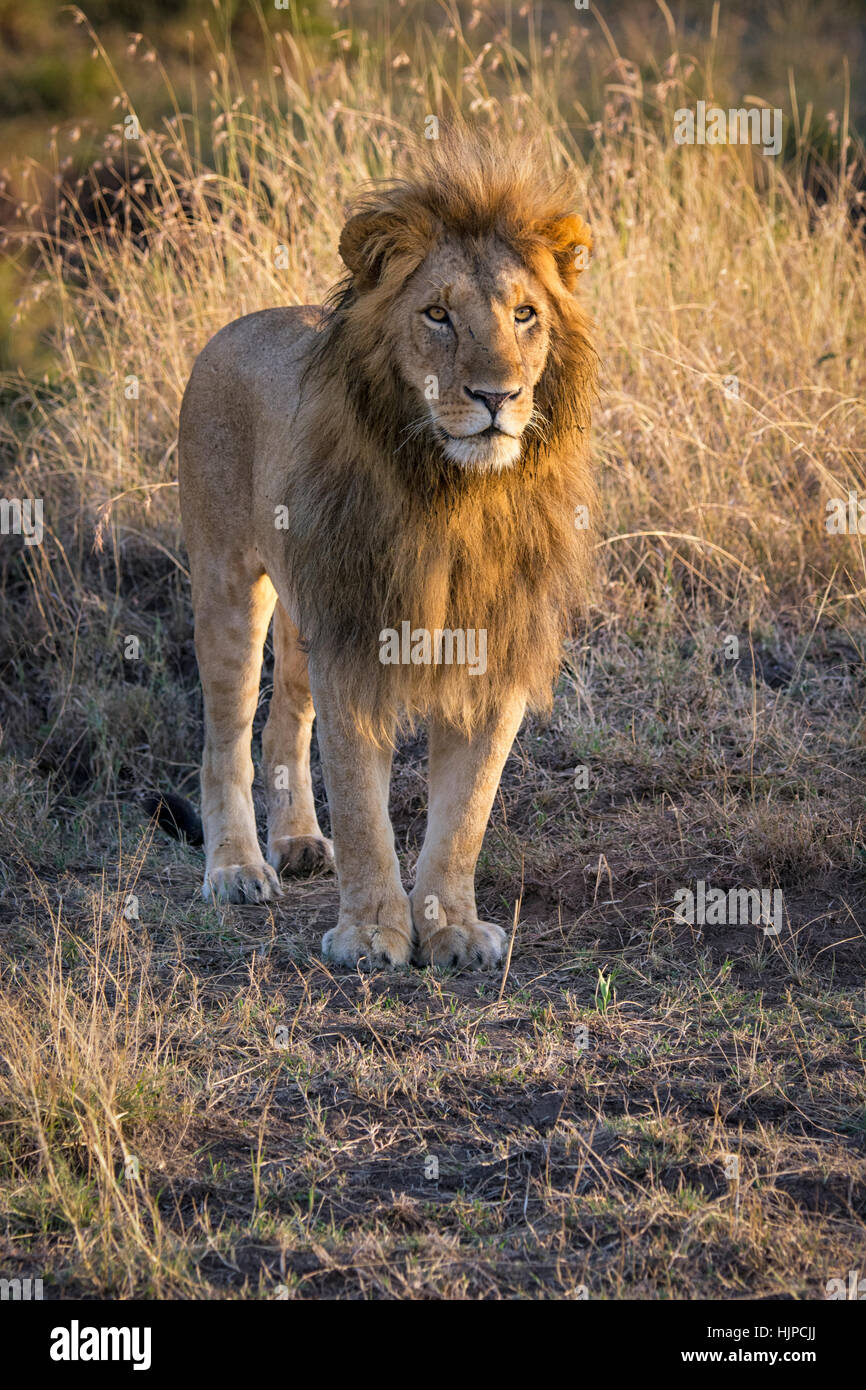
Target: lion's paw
474,945
301,854
372,946
241,883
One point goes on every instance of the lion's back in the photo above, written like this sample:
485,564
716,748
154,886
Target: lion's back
252,355
250,371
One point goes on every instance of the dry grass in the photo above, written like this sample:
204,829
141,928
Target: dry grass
158,1136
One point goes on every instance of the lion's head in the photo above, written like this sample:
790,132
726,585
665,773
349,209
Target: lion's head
467,271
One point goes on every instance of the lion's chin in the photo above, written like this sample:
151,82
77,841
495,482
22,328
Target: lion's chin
484,453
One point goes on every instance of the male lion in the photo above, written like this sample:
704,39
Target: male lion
411,460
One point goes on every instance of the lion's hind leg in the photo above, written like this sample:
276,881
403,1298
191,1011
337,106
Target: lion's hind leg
295,841
233,603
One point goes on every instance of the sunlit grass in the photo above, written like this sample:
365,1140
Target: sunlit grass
730,313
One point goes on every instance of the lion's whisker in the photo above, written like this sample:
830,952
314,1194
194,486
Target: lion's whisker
412,431
537,425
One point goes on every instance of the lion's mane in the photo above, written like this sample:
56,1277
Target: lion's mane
382,527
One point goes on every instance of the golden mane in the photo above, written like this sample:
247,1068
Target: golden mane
383,528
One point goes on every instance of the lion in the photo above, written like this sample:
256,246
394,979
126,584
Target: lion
407,461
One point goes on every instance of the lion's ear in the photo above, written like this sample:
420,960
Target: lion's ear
570,240
372,240
363,244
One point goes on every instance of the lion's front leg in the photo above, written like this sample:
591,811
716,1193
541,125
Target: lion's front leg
464,774
375,921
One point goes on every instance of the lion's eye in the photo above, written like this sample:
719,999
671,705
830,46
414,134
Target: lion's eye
436,314
524,314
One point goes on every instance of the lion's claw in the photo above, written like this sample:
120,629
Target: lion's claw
477,945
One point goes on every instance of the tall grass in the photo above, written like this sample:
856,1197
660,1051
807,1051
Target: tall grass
87,1064
730,315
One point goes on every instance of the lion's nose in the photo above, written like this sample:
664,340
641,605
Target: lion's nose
493,399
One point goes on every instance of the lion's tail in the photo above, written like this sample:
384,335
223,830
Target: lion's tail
176,816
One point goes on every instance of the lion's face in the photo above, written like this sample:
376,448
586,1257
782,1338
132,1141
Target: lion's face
473,336
460,318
